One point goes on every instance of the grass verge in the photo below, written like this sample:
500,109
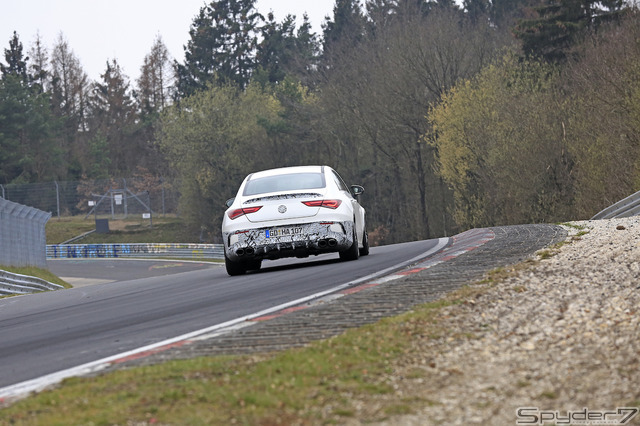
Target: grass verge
323,383
122,231
317,384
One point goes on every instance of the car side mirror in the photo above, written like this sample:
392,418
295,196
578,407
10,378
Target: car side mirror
229,202
357,190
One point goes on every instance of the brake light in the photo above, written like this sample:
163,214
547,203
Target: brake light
234,214
330,204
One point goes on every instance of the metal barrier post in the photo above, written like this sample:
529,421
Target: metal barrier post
57,197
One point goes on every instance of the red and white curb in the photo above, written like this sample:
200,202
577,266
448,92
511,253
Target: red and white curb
462,243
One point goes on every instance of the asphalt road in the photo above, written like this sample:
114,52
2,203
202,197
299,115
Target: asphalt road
118,306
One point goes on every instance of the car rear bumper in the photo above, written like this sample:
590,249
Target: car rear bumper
298,240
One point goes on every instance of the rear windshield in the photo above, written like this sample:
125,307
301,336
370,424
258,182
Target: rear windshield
289,182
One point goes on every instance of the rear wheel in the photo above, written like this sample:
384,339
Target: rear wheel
353,252
234,268
365,244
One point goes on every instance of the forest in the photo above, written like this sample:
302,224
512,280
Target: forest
451,115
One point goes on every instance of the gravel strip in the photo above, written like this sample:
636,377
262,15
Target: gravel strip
561,336
558,335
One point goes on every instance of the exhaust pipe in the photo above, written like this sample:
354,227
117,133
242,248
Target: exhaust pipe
322,243
240,252
332,242
249,251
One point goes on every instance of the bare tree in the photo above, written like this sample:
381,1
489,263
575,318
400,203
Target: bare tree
70,84
69,88
606,109
157,79
378,93
156,88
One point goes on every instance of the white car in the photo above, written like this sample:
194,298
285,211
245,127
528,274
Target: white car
292,212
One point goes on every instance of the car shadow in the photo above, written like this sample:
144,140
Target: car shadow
289,266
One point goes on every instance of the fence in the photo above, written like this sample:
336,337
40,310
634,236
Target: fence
116,198
22,235
144,250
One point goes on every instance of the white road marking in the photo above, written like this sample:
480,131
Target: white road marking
20,390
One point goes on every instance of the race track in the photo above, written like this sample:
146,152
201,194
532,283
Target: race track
120,305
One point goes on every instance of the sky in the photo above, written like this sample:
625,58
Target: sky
100,30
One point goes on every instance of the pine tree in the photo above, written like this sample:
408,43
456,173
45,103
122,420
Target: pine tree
112,122
222,46
38,65
27,127
348,25
12,119
277,49
477,9
505,13
283,51
561,22
381,12
308,49
16,62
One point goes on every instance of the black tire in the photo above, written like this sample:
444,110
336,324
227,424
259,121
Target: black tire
234,268
254,265
365,244
353,252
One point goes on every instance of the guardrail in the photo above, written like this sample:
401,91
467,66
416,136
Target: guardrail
627,207
141,250
11,283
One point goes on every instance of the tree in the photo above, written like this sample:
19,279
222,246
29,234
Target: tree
381,12
505,14
501,146
213,139
559,24
13,106
477,9
347,27
69,92
604,91
283,51
222,46
155,88
276,51
156,81
112,122
39,66
16,62
27,128
308,52
376,95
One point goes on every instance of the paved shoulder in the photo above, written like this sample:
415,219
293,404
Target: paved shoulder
84,272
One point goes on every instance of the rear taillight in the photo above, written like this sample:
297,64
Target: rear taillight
330,204
234,214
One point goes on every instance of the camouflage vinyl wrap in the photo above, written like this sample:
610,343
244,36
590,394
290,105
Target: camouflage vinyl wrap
296,240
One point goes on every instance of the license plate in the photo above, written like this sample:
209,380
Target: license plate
282,232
